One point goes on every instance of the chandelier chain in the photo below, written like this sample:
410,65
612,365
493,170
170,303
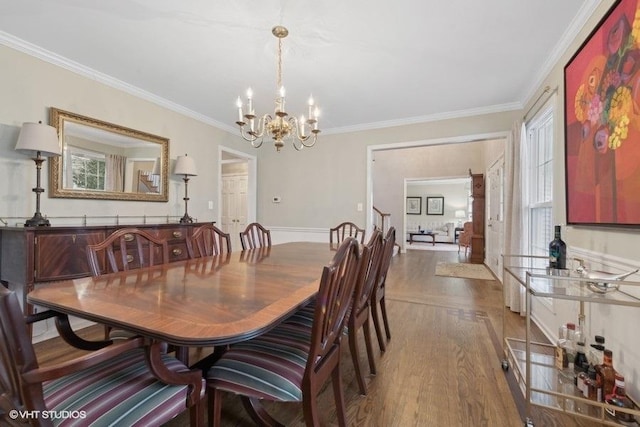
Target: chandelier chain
279,82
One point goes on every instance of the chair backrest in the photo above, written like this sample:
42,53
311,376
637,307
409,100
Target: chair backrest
464,238
127,249
368,272
255,236
332,302
208,240
387,254
344,230
16,356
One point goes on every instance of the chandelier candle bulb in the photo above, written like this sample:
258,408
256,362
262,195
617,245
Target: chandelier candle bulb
239,104
310,107
250,101
301,124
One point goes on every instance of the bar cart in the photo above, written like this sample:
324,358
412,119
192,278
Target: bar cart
533,363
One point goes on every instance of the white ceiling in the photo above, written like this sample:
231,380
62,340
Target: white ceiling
368,63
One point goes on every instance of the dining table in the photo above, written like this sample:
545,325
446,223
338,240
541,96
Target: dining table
209,301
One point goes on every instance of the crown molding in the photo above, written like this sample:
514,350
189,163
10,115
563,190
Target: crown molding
500,108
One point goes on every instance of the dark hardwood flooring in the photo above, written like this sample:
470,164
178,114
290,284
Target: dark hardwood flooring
442,366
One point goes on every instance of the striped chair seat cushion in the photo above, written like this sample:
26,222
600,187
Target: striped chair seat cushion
270,366
104,393
304,316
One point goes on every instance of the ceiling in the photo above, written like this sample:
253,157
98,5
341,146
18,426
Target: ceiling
367,63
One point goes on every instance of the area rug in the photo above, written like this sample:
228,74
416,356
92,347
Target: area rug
465,270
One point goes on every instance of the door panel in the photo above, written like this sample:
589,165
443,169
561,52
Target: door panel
495,221
234,206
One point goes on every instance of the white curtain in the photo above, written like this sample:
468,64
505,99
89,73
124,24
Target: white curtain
514,216
115,166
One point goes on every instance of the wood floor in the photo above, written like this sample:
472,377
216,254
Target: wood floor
442,366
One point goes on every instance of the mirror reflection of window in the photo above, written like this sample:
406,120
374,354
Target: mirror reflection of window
87,170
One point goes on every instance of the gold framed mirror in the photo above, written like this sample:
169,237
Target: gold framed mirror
102,160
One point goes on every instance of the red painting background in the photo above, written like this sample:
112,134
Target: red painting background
603,183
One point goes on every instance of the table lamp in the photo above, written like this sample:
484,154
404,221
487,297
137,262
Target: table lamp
187,167
460,214
38,141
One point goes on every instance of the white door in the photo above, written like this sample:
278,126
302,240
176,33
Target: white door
495,220
234,207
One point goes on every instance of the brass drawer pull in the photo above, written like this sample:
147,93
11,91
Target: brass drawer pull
177,252
129,258
128,237
177,234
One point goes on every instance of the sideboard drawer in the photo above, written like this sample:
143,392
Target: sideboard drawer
60,256
175,233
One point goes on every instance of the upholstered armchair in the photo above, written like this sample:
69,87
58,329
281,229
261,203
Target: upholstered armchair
464,239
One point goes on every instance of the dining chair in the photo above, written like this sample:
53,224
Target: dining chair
360,309
464,238
255,236
291,364
377,296
126,249
344,230
128,383
208,240
358,314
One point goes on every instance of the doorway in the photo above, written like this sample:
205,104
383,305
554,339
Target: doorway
237,192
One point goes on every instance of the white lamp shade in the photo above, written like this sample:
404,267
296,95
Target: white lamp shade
185,166
36,137
460,214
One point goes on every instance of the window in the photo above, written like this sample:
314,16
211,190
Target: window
88,169
539,167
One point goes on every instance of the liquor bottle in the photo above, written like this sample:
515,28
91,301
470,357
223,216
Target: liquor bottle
607,373
619,398
557,251
594,392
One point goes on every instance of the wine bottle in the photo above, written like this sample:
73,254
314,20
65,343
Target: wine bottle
557,251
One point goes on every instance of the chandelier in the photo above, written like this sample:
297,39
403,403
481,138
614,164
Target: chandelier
300,131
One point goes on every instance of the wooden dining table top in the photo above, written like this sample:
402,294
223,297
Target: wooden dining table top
200,302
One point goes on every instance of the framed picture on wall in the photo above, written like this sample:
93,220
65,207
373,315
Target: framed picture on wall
602,123
435,205
414,205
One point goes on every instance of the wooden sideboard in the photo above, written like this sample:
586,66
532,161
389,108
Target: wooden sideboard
31,256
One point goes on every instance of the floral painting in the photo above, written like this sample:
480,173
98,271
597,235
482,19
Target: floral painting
602,122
